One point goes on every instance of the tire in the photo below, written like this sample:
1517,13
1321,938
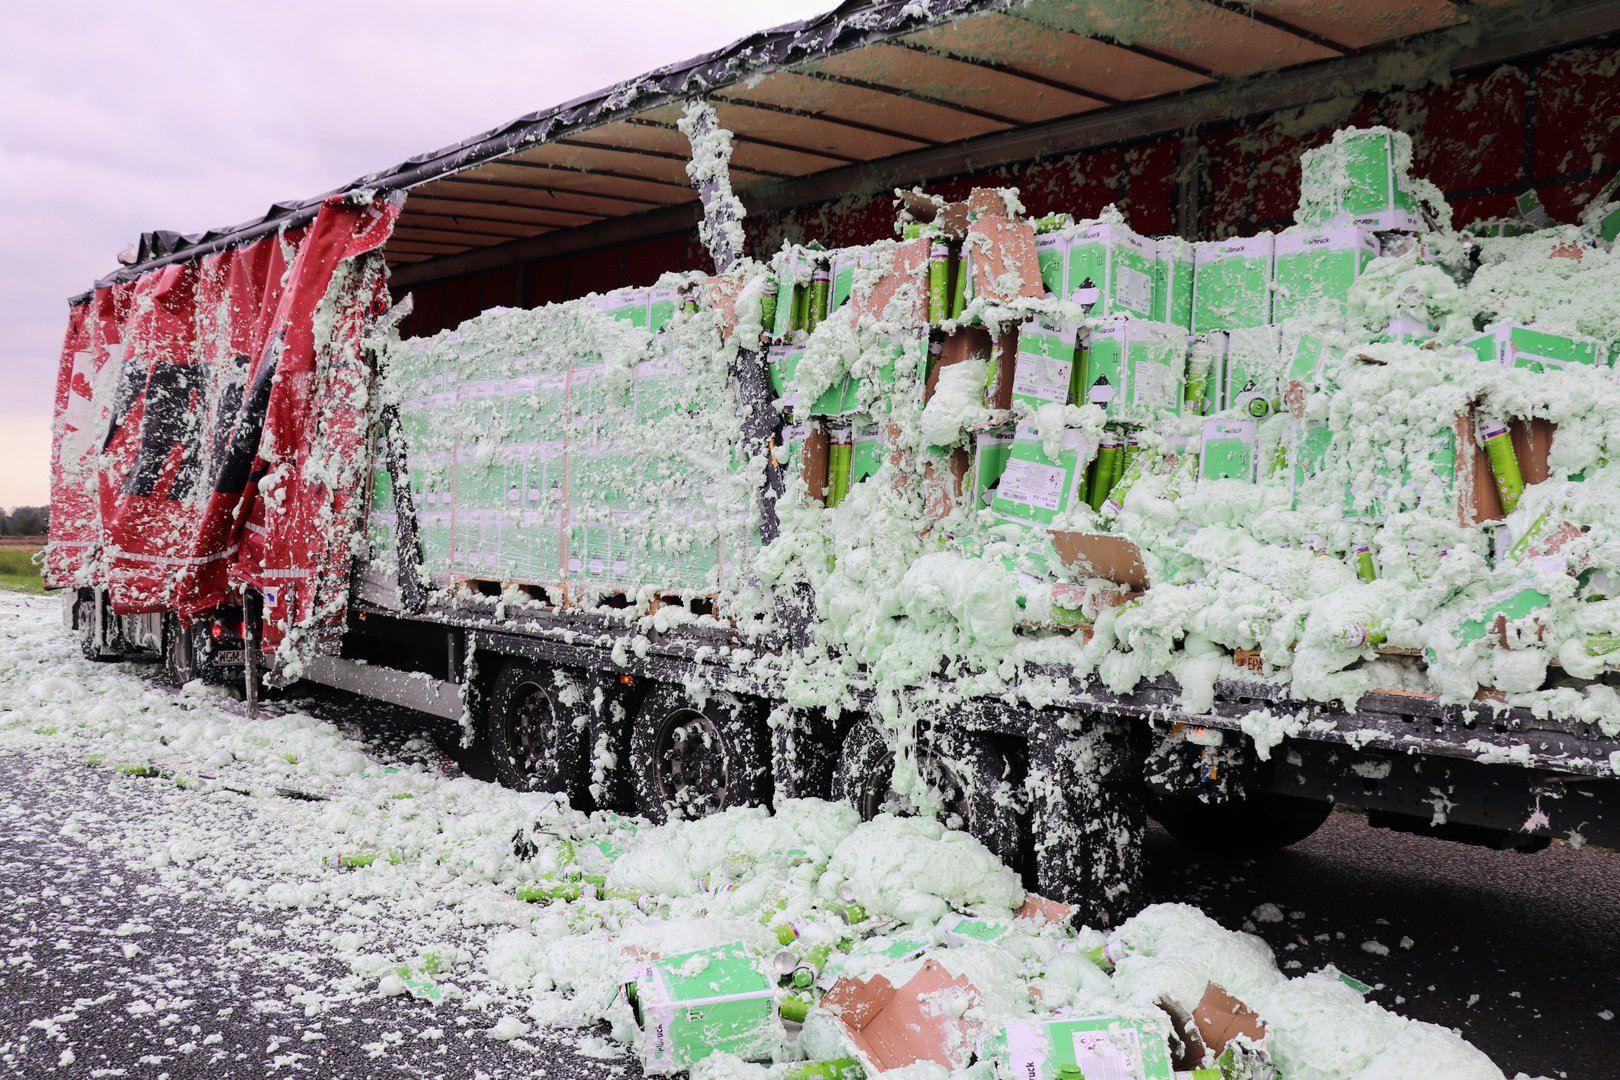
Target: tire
88,645
182,659
1260,822
690,760
535,735
974,772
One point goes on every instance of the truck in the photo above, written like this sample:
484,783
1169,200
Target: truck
845,413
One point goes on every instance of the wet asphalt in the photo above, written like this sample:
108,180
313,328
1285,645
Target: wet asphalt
1521,953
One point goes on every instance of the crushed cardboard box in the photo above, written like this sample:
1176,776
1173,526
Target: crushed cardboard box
928,1018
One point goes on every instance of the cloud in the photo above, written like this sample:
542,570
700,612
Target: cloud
121,118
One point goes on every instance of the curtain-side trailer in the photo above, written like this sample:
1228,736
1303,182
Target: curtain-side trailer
659,438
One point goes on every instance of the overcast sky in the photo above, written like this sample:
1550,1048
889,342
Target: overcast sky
121,118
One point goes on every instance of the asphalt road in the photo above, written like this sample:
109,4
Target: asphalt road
112,964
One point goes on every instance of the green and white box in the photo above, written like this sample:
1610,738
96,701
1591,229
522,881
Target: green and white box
662,303
991,453
1513,345
844,263
1044,370
1173,282
1098,1047
699,1003
1228,451
1252,378
1360,178
1315,270
1134,368
1232,283
1111,271
1035,488
783,363
1052,253
630,305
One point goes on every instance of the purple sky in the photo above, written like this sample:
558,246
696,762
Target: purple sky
120,118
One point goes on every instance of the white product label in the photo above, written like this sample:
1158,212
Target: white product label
1133,289
1108,1055
1152,384
1042,377
1033,484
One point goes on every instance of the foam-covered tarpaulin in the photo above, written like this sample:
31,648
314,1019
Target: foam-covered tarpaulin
212,419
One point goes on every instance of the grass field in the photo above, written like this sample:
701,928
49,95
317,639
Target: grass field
17,570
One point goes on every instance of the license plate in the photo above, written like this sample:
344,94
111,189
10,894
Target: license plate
228,656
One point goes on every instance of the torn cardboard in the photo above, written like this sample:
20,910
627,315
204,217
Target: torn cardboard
1100,556
893,1027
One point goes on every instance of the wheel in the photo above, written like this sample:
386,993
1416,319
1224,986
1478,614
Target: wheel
88,644
973,773
181,656
1261,821
691,760
536,731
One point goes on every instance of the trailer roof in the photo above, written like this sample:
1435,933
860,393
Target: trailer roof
883,92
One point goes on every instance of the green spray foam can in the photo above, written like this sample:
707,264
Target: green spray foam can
836,1069
794,1007
1102,471
767,304
786,933
939,281
806,971
850,911
1358,635
1364,564
820,286
1106,956
1053,222
1504,463
959,295
801,305
840,448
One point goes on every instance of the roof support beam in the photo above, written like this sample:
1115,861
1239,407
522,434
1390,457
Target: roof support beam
1250,11
1004,69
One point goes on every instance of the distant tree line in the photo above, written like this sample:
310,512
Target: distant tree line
25,521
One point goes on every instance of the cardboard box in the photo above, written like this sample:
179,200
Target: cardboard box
944,479
628,305
974,343
804,449
909,267
1173,282
929,1018
1034,488
967,931
1045,367
1314,271
1232,283
1252,375
1513,345
1038,908
1112,271
1217,1020
1099,1046
695,1004
1052,255
1477,497
1098,555
997,248
991,452
1228,451
662,304
782,361
1134,369
1360,179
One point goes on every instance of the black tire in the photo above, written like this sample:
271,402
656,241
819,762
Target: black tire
182,655
88,645
691,760
975,773
1259,822
536,738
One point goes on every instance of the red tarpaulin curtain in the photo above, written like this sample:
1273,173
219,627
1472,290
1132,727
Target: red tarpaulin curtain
211,426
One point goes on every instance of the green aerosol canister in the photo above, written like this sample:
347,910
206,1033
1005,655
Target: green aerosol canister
820,287
1358,635
1504,462
1365,570
959,294
939,282
767,304
794,1007
836,1069
840,449
1102,470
